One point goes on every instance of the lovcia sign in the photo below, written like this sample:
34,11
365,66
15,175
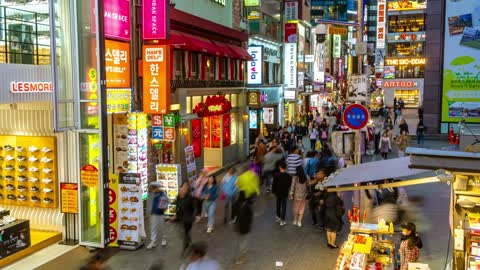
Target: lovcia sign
255,67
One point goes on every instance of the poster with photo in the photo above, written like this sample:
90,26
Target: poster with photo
268,116
169,178
120,143
461,80
253,119
130,211
191,165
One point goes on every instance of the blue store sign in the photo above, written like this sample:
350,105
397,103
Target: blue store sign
157,133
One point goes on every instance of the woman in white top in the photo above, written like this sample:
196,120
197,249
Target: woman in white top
313,135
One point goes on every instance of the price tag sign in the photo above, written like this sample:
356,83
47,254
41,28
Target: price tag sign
69,197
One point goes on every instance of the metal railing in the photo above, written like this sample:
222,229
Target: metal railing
24,37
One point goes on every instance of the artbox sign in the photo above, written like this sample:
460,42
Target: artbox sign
381,10
155,19
290,65
255,67
31,87
402,84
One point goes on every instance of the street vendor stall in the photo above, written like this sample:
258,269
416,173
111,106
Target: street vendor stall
372,246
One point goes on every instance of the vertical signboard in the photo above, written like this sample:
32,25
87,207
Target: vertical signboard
113,215
69,198
381,10
337,46
461,72
156,79
130,210
290,65
255,67
155,19
291,10
116,19
197,137
117,64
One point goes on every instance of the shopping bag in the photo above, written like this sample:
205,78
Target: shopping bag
318,146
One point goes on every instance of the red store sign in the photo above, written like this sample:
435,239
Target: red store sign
214,105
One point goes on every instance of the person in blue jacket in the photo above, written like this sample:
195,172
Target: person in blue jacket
229,190
210,195
159,204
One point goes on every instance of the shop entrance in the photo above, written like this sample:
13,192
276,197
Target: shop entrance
220,139
410,97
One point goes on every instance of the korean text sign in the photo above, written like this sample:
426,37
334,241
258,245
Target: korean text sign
156,86
381,10
116,19
117,64
255,67
290,65
155,19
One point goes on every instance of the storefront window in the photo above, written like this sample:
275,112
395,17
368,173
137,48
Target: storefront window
408,49
206,132
178,64
210,68
224,69
233,128
409,23
212,131
194,65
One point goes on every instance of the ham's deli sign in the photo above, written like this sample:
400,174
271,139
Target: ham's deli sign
31,87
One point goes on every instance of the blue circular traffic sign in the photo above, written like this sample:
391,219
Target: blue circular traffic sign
355,116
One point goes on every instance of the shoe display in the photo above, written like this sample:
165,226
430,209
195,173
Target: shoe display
9,168
21,168
47,200
9,178
47,170
9,158
19,149
21,158
11,197
47,180
33,169
21,198
8,148
35,199
32,159
47,190
34,189
22,188
33,179
46,150
10,187
22,178
1,196
32,149
45,160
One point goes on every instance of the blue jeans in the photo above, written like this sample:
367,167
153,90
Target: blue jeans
210,209
421,138
268,176
229,203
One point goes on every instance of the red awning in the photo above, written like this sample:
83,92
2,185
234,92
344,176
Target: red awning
177,41
241,53
203,45
225,50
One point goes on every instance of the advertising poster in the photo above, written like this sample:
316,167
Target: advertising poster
120,143
291,33
113,209
116,19
156,19
118,100
191,165
290,65
357,87
117,64
389,72
268,116
461,67
253,119
156,71
69,198
397,5
337,46
130,210
169,178
197,137
137,149
255,67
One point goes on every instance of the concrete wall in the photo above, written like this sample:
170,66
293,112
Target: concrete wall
208,9
433,70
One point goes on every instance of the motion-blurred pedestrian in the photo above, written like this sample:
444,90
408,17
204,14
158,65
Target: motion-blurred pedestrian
299,193
243,225
197,186
334,210
159,205
281,188
229,192
199,260
210,195
185,214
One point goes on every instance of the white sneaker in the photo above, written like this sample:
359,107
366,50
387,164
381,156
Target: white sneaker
299,224
151,245
47,180
33,179
32,159
277,219
295,222
8,158
46,150
209,229
283,223
46,170
32,149
164,242
45,160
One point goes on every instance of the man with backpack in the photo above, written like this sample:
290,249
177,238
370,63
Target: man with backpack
159,205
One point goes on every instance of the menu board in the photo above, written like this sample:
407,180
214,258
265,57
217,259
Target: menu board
130,210
191,165
169,178
137,149
120,143
69,198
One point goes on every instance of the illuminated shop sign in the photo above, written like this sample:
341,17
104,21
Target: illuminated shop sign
406,37
405,61
255,67
155,19
402,84
408,5
252,3
290,65
381,10
31,87
337,31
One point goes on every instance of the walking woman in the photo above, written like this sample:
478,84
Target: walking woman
229,190
313,135
210,193
410,245
334,210
185,214
403,126
385,145
299,193
420,132
198,186
403,141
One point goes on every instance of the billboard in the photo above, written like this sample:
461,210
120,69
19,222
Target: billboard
290,65
461,72
255,67
116,19
155,19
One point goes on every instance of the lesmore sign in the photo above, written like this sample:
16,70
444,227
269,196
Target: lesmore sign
255,67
